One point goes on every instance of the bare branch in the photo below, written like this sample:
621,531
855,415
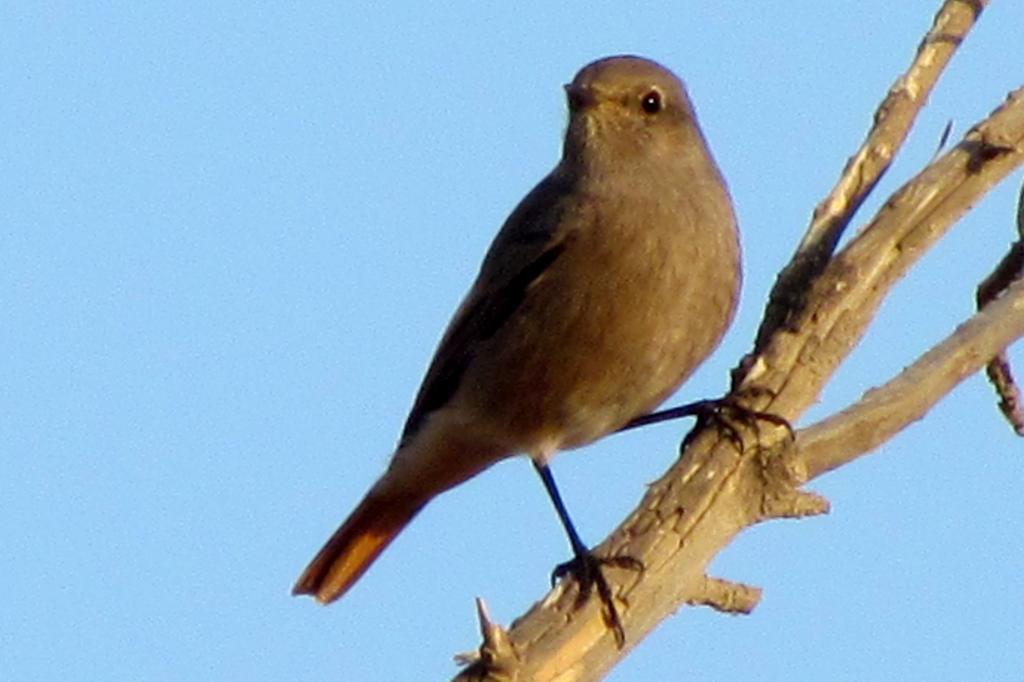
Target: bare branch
1009,270
717,489
886,410
892,122
713,492
844,299
727,597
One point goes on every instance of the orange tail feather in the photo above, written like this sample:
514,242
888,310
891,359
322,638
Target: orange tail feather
355,545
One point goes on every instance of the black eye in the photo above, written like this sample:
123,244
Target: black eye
651,102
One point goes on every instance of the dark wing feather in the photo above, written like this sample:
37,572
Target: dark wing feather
527,245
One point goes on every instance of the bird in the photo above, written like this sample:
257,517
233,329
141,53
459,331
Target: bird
605,288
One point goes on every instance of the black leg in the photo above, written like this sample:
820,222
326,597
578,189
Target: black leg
563,515
688,410
717,411
584,565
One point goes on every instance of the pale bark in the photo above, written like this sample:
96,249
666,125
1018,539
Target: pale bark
822,305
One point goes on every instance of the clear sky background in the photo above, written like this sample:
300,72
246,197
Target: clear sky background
231,234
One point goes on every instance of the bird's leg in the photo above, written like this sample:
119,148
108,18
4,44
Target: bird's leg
584,565
718,411
694,409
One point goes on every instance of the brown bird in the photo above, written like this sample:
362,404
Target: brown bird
604,290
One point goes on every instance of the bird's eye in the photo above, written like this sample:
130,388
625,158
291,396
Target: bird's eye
651,102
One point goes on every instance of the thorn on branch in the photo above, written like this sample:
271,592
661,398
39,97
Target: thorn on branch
726,596
496,657
796,504
943,139
783,473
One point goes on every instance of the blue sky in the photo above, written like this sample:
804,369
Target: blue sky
231,234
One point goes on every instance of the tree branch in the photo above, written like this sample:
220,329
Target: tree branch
888,409
844,298
716,490
892,122
1009,270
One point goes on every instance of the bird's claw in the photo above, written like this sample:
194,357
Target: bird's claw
724,411
586,568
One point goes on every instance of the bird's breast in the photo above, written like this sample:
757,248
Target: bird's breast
640,296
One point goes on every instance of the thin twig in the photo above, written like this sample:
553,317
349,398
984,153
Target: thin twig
892,122
1009,270
884,411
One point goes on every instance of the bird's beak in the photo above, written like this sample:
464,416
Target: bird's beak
580,96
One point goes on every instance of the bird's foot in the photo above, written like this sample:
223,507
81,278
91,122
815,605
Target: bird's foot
586,567
725,413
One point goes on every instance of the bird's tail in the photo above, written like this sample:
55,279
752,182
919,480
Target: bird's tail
355,545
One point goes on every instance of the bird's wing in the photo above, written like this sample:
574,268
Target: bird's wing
528,244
